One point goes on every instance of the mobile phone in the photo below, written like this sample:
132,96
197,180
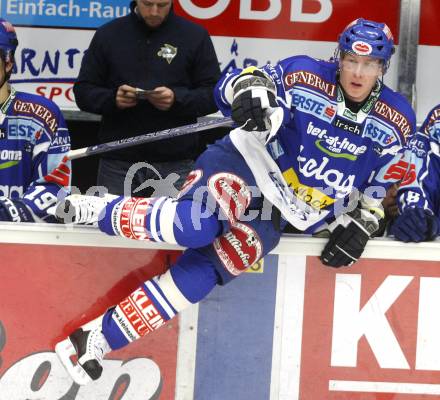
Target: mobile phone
143,93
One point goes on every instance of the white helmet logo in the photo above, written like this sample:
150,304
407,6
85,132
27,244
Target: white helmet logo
361,48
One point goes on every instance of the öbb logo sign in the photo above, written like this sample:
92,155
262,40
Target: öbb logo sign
248,11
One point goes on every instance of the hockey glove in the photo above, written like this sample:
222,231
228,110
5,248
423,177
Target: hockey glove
347,241
14,211
254,94
415,225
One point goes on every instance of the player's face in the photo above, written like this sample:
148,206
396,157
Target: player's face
154,12
5,67
2,69
358,75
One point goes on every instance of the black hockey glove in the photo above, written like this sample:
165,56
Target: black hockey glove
254,93
345,246
347,243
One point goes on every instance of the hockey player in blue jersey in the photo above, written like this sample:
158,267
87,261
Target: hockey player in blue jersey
33,143
312,135
419,206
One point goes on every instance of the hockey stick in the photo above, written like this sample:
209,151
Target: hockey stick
149,137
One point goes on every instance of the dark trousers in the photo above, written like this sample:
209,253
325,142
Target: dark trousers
142,179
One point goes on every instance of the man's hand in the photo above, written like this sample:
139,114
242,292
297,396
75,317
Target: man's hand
254,94
162,98
126,97
415,225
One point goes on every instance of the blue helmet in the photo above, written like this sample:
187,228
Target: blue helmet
8,38
367,38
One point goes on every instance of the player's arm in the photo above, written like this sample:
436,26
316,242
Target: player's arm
14,210
248,96
50,177
91,89
351,232
409,167
39,197
416,221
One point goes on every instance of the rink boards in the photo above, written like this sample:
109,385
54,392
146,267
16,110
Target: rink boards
288,329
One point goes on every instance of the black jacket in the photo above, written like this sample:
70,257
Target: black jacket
125,51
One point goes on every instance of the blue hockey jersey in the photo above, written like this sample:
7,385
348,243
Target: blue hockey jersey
426,148
34,142
324,150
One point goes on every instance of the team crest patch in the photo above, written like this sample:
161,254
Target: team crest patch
168,52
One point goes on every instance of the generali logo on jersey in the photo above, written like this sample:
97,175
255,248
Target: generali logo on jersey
283,19
371,332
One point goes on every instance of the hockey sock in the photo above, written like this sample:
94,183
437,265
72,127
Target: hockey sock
161,219
158,300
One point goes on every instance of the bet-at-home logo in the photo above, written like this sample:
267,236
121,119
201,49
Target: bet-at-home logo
334,146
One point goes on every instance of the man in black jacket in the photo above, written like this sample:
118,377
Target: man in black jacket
174,62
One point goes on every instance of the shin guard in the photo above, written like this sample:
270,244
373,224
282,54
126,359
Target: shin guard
158,300
160,219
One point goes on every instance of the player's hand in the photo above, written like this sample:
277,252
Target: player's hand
345,245
389,203
162,98
415,225
126,97
254,94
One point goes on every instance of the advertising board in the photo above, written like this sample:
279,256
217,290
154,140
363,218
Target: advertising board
288,329
55,34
